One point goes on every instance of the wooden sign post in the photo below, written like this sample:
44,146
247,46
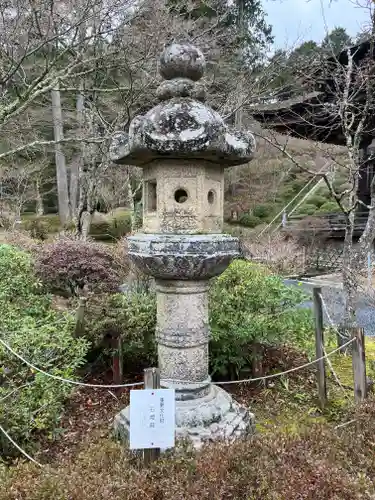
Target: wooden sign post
152,417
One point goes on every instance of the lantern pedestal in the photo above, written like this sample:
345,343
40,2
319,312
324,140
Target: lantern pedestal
184,146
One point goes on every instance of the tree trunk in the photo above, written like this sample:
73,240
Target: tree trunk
349,285
238,117
61,171
130,199
85,224
39,200
366,240
74,181
77,161
79,329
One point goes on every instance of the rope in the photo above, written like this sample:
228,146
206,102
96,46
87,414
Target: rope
12,392
291,201
61,379
19,447
307,195
330,319
274,375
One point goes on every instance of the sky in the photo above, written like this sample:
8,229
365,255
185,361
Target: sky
295,21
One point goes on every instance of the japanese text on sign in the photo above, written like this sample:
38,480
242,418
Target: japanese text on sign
152,418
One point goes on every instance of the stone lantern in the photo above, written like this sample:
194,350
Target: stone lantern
183,147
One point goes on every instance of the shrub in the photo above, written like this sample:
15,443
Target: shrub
250,307
69,266
121,224
262,211
133,317
329,207
317,200
311,231
306,209
280,253
37,228
101,230
41,226
249,220
53,222
247,305
287,193
16,271
297,185
43,337
21,240
106,227
268,467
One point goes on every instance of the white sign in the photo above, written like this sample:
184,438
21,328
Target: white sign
152,418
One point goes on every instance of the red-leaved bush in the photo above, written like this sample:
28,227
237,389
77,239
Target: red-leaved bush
70,266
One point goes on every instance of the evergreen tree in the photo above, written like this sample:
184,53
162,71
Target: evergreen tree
304,53
336,41
242,25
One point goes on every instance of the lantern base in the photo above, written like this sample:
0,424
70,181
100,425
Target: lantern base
210,418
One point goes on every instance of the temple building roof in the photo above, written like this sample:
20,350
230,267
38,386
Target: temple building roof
315,115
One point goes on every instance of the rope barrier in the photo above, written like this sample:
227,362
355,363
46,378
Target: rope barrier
330,319
14,391
61,379
273,375
104,386
291,370
326,356
230,382
19,447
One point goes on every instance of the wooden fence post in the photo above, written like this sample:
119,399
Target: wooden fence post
319,346
359,365
117,358
152,381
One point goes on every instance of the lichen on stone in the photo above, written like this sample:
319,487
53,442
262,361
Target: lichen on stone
181,126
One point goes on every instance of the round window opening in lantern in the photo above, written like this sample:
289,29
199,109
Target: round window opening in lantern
180,195
211,196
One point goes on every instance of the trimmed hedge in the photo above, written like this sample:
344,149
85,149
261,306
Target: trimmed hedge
329,207
113,227
40,226
317,200
249,220
262,211
306,209
103,227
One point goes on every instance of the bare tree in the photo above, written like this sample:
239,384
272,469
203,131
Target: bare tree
19,186
343,111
